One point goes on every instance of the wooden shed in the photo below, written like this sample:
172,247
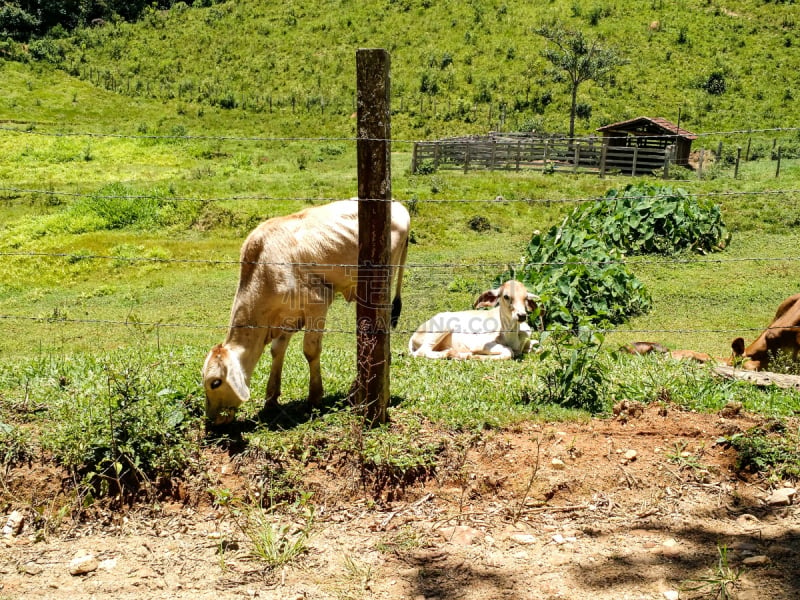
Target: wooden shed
649,132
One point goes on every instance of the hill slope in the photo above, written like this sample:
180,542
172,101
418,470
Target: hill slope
456,66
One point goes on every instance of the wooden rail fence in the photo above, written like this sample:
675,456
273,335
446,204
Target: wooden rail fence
554,154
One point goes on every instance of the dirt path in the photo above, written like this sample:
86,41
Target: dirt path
610,509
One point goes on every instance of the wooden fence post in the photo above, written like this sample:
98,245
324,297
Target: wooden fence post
603,154
778,168
738,157
374,233
635,158
577,158
700,163
667,155
747,152
544,156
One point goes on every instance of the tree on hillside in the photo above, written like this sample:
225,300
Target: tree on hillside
581,59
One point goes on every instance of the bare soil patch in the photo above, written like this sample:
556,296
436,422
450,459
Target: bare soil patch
632,507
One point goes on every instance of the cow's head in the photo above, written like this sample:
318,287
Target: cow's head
225,385
739,358
514,300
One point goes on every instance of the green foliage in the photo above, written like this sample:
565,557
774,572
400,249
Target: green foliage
207,54
651,219
120,428
15,446
772,450
573,376
581,59
578,278
721,583
17,23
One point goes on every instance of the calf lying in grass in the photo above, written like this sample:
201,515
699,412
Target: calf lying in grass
653,347
499,333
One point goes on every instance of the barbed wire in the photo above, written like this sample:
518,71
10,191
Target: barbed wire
311,199
451,265
29,130
58,319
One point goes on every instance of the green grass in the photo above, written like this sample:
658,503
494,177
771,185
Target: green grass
92,286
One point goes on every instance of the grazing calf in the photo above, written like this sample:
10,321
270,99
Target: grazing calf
783,335
499,333
291,269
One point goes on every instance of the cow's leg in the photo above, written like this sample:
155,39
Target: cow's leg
493,351
278,351
312,348
435,344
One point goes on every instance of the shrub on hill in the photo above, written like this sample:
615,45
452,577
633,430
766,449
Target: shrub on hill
579,279
652,219
577,268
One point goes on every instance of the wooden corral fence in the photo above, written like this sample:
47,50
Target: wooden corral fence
588,155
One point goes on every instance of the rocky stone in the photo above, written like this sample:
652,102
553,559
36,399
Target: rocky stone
31,568
460,535
781,497
747,520
558,464
631,455
524,539
671,595
13,524
83,565
756,561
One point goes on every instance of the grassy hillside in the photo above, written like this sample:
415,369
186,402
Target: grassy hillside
130,175
456,66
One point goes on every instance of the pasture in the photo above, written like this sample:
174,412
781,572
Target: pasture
119,259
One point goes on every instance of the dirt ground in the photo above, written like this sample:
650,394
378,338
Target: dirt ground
634,507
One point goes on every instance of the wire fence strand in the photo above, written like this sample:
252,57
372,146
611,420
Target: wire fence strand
57,319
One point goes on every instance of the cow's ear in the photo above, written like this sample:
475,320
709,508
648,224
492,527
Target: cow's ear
737,346
531,302
487,298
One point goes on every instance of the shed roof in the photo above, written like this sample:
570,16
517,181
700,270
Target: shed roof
651,125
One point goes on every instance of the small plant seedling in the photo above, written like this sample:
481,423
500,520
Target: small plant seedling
721,582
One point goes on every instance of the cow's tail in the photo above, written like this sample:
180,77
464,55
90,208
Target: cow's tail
397,303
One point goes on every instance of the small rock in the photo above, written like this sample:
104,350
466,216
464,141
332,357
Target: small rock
13,524
782,497
83,565
107,564
461,535
558,539
558,464
631,455
671,595
731,409
756,561
31,568
747,520
523,538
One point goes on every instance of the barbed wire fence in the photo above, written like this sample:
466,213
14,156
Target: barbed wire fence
8,193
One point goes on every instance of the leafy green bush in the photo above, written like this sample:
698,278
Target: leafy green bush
574,377
650,219
121,427
579,278
772,451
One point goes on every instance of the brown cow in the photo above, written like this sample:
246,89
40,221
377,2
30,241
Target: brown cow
653,347
783,335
